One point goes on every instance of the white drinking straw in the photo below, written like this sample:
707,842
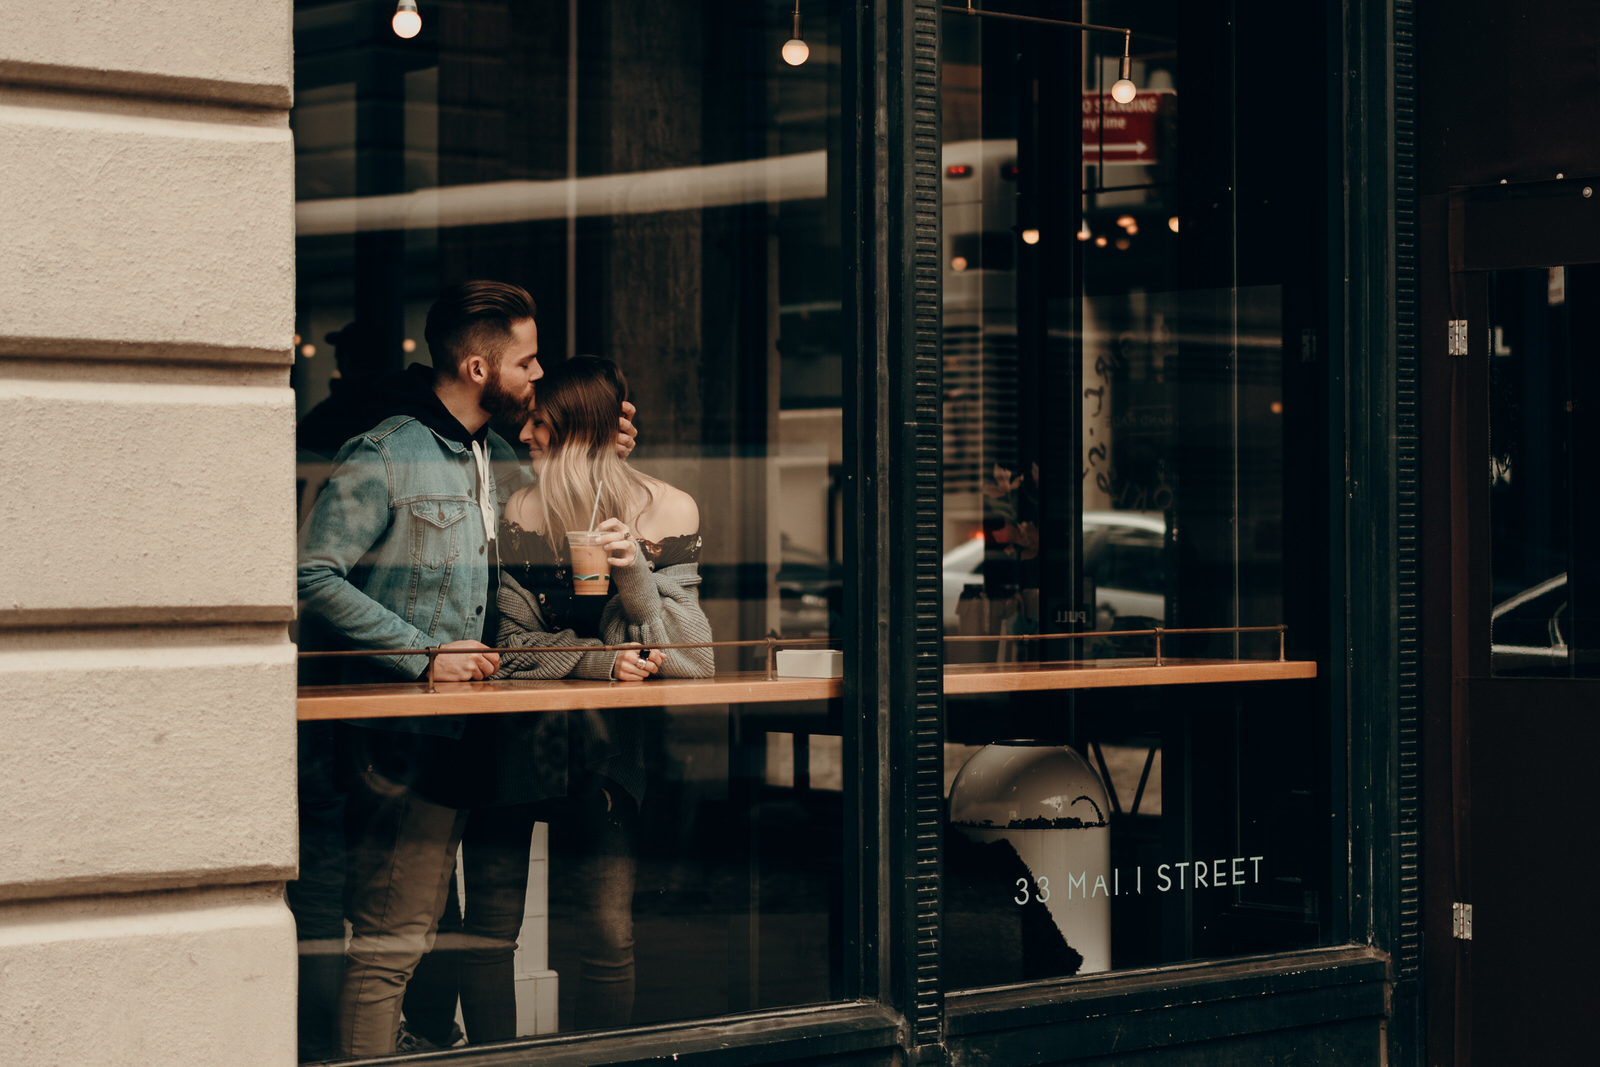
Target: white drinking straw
595,514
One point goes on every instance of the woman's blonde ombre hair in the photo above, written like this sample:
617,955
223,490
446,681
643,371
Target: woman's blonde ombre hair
580,400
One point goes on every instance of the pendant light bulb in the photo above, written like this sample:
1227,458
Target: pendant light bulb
406,22
1123,90
795,49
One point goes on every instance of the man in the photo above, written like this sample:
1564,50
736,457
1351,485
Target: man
398,552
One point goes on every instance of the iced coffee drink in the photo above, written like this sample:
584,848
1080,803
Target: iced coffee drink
591,570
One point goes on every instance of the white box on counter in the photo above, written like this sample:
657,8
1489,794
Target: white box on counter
810,663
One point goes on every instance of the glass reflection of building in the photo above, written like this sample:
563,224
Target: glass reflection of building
1126,323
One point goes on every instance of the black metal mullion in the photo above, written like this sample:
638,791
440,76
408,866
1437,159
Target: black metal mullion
1381,710
898,328
914,496
894,501
864,732
1407,948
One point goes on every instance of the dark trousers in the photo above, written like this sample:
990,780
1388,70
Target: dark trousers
317,897
474,954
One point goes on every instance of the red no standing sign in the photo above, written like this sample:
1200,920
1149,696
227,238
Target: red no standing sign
1132,130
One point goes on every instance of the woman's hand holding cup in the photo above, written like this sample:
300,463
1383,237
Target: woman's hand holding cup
619,544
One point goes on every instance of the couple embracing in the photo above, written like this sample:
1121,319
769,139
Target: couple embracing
429,533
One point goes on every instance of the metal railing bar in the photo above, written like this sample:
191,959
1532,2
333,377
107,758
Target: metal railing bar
771,644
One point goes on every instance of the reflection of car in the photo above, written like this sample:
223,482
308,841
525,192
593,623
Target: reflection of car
1121,552
1527,631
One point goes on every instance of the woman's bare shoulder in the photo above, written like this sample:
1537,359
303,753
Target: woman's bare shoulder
672,513
525,510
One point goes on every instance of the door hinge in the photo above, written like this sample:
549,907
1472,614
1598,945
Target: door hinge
1458,337
1461,921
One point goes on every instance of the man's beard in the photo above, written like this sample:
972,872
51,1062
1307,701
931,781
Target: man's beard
499,402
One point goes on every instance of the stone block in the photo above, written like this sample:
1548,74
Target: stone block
142,759
203,978
163,236
235,51
132,502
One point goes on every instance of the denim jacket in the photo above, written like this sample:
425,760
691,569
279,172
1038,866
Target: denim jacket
393,553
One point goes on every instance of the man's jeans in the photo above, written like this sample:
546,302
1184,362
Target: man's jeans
401,859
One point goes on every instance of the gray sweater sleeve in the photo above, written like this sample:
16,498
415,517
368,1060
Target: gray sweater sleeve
661,607
561,654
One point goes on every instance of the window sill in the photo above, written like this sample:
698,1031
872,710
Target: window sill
821,1034
1175,1005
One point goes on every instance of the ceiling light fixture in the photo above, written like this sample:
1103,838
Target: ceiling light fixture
1123,90
406,22
795,49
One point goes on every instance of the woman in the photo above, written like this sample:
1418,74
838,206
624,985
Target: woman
583,772
651,532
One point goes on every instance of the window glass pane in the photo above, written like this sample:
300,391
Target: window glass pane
561,847
1135,449
1543,572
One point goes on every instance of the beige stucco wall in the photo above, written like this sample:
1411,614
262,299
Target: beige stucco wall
146,680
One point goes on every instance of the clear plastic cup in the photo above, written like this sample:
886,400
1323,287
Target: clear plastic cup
591,569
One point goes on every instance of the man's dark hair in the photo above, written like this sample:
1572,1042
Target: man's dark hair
474,318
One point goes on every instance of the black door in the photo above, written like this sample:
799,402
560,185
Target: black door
1525,599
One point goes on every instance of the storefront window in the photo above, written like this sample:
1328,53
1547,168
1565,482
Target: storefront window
665,188
1134,386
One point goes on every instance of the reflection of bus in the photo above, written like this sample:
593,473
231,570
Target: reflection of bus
980,196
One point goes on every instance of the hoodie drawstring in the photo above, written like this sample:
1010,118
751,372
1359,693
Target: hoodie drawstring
485,491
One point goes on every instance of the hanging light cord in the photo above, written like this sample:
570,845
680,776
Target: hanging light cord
978,11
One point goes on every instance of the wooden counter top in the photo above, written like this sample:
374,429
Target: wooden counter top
963,678
753,687
563,694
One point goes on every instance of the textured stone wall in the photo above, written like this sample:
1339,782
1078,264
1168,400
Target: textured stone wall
147,499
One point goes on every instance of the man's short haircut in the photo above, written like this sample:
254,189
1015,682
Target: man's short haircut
474,318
